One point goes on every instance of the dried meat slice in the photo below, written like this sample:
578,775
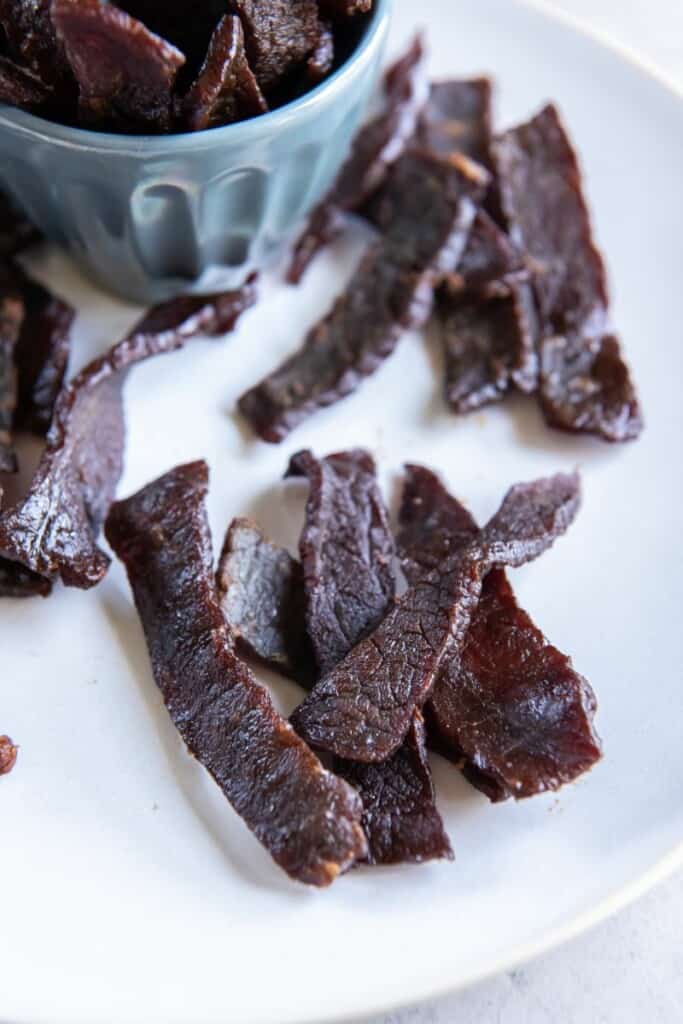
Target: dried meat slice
11,318
226,89
362,709
20,88
377,145
125,73
347,552
433,205
400,817
585,385
279,36
511,711
53,530
261,591
307,818
8,755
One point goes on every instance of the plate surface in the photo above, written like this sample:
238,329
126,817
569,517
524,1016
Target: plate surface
130,891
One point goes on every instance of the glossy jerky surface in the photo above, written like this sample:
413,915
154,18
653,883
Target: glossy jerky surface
279,36
377,145
400,818
584,384
226,89
307,819
347,552
11,318
53,530
261,592
362,709
511,711
125,73
8,755
432,205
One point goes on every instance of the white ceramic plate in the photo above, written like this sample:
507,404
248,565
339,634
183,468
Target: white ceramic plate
129,891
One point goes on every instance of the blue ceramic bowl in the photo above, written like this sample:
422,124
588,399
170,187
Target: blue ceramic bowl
146,216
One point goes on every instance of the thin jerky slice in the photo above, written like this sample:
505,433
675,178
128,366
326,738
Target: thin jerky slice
11,318
53,530
377,145
8,755
41,356
307,819
362,709
226,89
261,592
347,552
512,711
400,817
321,60
18,581
585,385
125,73
16,231
279,36
21,88
433,204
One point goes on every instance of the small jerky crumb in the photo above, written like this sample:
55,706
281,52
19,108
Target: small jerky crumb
8,755
226,89
125,73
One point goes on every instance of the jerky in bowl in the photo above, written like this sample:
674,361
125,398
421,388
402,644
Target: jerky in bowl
161,140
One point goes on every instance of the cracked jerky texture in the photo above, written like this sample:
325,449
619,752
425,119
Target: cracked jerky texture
362,709
53,530
307,819
433,206
585,386
512,710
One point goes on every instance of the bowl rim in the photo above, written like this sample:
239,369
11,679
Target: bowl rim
242,131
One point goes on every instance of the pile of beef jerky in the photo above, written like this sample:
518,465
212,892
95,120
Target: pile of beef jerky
453,663
490,234
140,66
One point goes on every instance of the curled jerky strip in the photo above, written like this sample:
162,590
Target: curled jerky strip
432,204
362,709
307,819
53,530
511,710
377,145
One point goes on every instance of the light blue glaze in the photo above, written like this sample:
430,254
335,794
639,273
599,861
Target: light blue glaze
145,216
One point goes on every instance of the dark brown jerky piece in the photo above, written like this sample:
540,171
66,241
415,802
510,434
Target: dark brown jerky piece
307,819
11,318
17,581
261,592
8,755
584,384
31,39
226,89
347,552
125,73
362,709
377,145
433,205
400,818
53,530
279,36
457,119
511,711
41,356
321,60
21,88
16,231
338,10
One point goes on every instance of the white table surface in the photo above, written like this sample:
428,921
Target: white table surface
629,970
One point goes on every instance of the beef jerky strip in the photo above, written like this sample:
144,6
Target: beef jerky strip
53,530
226,89
339,10
347,552
262,597
511,710
362,709
11,318
41,355
279,36
8,755
378,144
20,88
125,73
307,819
585,385
16,231
32,40
393,289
